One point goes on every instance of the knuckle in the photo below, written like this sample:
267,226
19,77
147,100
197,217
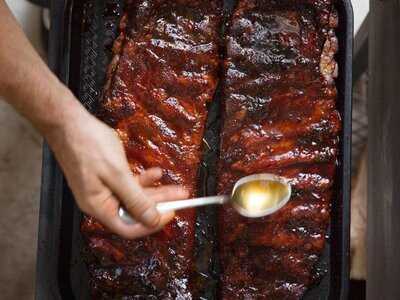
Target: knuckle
92,204
138,206
114,170
117,165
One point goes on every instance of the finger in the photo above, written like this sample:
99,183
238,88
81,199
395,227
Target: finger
132,196
149,176
107,214
138,230
167,193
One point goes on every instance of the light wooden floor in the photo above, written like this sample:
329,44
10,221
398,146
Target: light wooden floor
20,168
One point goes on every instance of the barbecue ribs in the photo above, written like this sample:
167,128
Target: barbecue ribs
163,74
280,117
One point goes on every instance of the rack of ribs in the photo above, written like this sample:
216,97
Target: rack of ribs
163,73
279,116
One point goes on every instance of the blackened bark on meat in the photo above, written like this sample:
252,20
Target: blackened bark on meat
279,117
163,74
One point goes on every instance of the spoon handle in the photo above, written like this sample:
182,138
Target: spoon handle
164,207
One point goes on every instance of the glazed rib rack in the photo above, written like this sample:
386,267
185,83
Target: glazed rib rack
279,112
162,75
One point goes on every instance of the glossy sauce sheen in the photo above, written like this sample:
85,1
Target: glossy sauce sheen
163,74
280,117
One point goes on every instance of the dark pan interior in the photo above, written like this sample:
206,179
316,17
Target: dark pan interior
90,30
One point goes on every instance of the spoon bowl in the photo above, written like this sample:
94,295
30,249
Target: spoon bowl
260,195
252,196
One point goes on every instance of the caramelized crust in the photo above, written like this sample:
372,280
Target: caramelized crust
279,117
163,74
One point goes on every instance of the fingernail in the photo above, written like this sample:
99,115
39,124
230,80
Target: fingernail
151,217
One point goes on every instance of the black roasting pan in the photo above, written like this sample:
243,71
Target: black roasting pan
81,35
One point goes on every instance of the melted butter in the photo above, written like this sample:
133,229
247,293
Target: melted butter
257,196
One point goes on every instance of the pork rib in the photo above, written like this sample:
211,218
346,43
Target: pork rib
163,74
280,117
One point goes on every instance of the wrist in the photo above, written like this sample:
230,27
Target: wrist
63,111
46,102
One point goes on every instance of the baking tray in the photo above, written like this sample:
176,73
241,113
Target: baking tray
81,37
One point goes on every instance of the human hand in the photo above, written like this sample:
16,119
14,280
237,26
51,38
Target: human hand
89,152
93,160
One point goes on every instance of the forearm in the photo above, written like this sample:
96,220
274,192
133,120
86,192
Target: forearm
26,82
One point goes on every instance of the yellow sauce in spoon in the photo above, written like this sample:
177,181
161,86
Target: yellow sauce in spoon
259,195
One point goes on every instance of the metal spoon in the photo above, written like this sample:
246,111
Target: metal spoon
252,196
